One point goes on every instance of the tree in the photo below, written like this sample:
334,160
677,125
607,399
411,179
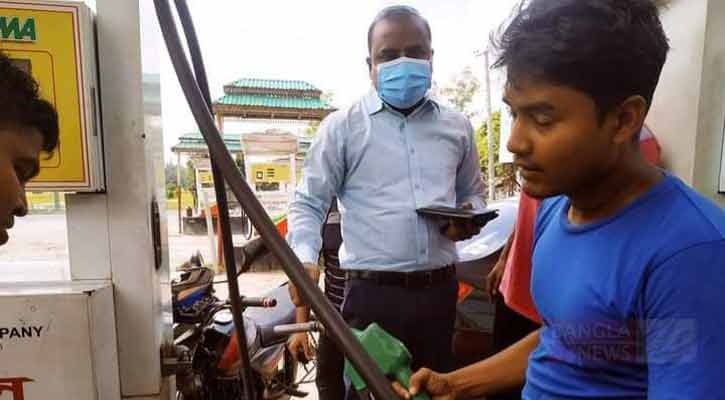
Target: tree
327,97
460,93
311,130
190,175
170,172
505,173
462,90
239,160
482,142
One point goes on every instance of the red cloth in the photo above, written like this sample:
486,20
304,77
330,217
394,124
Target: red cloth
649,147
516,281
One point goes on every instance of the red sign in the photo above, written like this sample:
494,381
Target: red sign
14,386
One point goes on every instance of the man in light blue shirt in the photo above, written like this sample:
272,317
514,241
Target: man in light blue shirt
392,152
383,166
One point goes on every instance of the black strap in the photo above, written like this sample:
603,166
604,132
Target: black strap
334,275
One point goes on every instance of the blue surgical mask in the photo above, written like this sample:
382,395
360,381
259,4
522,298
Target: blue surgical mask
403,82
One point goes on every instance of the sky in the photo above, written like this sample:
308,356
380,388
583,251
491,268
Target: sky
323,42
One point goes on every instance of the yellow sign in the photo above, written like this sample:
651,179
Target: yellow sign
270,173
46,41
206,179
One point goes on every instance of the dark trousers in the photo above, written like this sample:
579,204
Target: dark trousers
330,366
421,318
508,328
330,361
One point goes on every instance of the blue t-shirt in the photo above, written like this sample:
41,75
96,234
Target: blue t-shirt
634,305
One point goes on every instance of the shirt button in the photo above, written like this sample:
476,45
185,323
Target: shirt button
417,186
412,151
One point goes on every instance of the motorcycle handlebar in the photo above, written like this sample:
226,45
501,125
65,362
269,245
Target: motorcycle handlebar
270,336
251,251
289,329
263,302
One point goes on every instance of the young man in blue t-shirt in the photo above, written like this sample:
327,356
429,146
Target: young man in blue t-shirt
629,262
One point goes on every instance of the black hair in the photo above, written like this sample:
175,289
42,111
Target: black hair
21,105
397,11
608,49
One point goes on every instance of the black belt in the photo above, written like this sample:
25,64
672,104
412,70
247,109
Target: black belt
408,280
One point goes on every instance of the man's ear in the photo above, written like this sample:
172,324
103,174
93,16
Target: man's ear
630,119
371,71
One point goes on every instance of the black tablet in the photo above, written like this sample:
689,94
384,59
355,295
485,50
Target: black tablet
479,217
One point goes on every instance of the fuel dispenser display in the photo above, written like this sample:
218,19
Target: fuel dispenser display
53,41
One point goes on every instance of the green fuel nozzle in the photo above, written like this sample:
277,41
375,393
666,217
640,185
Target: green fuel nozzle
389,353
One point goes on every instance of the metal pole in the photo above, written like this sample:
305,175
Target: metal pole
330,317
293,178
56,201
209,225
178,187
220,123
489,131
226,242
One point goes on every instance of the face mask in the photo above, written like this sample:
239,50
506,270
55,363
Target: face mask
404,81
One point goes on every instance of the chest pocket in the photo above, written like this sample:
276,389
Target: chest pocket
440,159
376,158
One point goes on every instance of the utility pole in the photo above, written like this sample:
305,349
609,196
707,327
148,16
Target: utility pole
489,130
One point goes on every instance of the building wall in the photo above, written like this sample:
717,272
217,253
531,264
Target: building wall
688,109
673,116
709,144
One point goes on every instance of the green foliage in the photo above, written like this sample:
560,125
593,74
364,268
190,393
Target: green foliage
481,136
239,161
462,90
460,93
327,97
186,176
311,130
190,174
171,190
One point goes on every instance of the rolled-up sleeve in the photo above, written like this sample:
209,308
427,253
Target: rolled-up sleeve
469,182
322,175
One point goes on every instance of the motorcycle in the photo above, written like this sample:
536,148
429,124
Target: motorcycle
475,312
205,345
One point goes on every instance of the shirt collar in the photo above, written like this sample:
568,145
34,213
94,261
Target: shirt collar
374,104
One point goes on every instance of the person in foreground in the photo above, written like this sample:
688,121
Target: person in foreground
28,125
628,269
509,282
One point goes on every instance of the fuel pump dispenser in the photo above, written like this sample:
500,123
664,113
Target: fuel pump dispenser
98,334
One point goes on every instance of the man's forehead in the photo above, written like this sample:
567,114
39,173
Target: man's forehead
525,91
25,142
391,31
